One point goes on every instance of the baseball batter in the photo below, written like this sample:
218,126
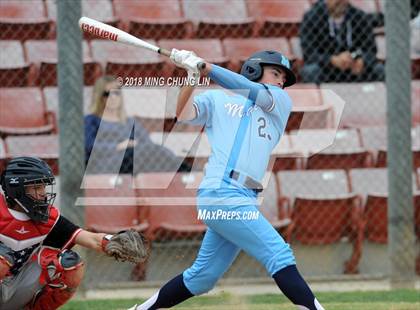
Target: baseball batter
38,269
243,126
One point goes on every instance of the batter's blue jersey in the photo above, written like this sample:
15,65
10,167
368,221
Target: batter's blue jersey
220,112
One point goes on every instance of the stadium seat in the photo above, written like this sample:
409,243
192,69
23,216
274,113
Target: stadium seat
322,210
310,117
219,19
278,18
415,139
297,51
170,203
309,110
110,204
51,98
305,95
284,157
153,19
97,9
45,57
345,152
209,49
23,20
277,215
381,55
238,50
372,185
365,103
14,70
128,62
42,146
26,112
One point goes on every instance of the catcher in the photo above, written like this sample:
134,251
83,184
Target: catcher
38,269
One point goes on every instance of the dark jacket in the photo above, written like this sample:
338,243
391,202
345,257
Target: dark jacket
320,41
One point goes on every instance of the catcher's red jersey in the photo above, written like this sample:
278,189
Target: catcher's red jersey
21,234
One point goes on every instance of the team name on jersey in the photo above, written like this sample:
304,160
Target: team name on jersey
237,110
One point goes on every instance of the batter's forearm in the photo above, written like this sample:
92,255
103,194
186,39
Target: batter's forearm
240,84
184,107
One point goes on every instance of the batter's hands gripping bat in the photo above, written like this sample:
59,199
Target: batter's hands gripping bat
108,32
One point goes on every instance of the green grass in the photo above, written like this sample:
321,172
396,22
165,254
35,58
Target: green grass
382,300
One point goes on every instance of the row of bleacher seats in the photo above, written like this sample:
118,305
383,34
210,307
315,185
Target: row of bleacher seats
313,207
32,110
304,149
170,19
34,62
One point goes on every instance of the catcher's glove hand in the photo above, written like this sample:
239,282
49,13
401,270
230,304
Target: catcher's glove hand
128,245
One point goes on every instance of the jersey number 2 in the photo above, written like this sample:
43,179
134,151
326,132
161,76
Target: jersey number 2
262,123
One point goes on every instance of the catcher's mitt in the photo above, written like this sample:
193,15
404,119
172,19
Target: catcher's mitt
128,245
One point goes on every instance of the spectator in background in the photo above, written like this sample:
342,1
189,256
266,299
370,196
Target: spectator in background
338,44
112,137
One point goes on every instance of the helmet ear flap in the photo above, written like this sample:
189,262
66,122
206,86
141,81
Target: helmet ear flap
252,70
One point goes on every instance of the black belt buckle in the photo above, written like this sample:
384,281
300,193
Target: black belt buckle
249,183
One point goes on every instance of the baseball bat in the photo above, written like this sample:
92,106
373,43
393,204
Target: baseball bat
111,33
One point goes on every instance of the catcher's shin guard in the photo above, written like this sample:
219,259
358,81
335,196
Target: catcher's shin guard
62,273
6,260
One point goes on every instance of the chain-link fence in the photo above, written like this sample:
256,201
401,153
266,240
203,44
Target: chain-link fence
326,188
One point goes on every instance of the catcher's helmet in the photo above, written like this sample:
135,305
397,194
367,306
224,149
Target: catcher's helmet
21,172
252,69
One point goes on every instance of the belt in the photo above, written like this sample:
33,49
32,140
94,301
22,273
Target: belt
247,181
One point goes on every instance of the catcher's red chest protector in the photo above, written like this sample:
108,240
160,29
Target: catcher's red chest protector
19,234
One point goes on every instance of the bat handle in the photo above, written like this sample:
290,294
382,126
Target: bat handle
165,52
201,65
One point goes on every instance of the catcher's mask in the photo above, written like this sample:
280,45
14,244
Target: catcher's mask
252,68
29,183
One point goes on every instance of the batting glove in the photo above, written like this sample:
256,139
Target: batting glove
179,56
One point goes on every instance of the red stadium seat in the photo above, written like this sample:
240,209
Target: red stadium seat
381,55
323,211
365,103
284,157
153,19
345,152
372,185
42,146
278,214
238,50
127,61
209,49
278,18
14,70
310,117
415,138
26,112
45,57
170,202
219,19
51,98
308,110
110,204
23,20
97,9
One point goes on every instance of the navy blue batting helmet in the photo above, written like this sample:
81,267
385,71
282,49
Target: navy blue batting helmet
252,68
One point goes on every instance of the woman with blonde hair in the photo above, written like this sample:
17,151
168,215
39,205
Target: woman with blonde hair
117,143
